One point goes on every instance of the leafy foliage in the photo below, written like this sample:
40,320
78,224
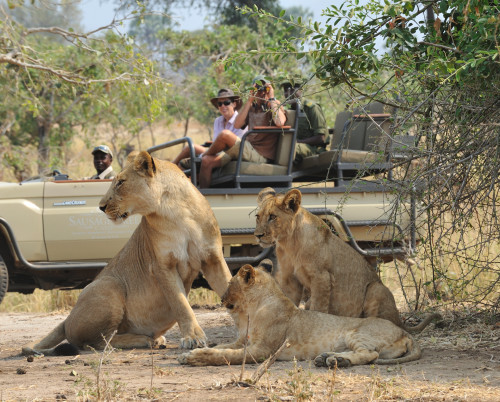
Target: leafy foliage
440,69
55,80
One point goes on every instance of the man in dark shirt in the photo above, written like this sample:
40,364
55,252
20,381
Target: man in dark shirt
312,135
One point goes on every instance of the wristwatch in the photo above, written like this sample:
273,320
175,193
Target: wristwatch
271,99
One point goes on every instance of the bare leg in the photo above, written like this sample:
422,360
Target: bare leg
211,159
208,163
198,149
226,139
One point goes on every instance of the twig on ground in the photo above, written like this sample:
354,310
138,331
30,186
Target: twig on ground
245,349
108,349
152,366
267,363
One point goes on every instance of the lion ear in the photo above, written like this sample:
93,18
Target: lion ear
265,193
144,163
267,265
292,200
131,156
247,273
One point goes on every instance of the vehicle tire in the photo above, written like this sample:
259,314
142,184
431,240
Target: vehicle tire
4,279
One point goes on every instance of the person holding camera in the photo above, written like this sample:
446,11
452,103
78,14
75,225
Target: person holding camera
261,109
227,104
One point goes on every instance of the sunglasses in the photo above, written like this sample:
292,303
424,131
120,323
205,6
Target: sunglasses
225,103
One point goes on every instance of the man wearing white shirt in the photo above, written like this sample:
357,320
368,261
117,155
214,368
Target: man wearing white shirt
103,157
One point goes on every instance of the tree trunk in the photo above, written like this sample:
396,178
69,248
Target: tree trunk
186,126
43,146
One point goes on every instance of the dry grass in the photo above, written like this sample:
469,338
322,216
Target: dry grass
46,301
348,386
40,301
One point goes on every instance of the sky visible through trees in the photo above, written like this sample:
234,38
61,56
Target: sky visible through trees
97,13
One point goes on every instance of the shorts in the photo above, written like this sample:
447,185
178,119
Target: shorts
249,154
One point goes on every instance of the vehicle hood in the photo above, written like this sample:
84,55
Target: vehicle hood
20,190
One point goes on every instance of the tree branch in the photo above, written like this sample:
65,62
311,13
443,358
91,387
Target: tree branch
451,49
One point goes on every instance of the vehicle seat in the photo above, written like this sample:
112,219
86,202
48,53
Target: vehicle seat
359,147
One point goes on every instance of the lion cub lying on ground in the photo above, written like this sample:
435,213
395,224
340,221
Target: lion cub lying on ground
329,340
311,257
142,292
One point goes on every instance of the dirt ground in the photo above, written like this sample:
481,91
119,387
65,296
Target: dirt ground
459,362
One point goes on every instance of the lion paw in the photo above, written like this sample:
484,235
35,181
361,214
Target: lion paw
197,357
160,341
337,361
183,358
320,361
331,361
189,342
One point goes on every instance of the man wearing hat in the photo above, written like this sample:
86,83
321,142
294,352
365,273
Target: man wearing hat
227,103
103,157
312,132
261,109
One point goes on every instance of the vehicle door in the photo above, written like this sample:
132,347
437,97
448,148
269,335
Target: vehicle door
75,229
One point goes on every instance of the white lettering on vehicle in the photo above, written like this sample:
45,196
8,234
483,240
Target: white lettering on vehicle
98,226
72,202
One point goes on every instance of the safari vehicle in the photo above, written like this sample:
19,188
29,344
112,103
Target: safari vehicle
52,234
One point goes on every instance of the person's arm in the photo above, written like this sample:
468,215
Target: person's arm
279,116
318,140
317,123
242,118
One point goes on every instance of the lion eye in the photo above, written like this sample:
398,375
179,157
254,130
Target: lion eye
119,183
272,218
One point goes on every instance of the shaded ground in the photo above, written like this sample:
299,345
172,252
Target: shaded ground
458,363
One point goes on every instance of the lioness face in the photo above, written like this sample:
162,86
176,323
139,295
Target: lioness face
132,190
275,215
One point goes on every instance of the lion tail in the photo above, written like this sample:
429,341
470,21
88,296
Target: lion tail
413,353
420,327
49,345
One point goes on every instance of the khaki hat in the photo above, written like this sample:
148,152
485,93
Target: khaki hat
260,80
104,149
226,93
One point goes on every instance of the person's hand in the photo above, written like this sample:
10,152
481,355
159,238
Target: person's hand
270,92
253,95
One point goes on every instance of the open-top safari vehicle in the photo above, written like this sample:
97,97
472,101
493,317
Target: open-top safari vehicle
52,234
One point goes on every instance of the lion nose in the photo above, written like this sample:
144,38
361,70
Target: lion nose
102,208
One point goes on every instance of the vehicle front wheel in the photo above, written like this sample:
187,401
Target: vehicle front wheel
4,279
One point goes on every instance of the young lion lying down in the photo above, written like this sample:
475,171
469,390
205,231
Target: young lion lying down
328,339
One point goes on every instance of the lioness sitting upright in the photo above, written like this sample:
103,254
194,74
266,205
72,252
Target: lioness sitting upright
142,292
338,278
273,318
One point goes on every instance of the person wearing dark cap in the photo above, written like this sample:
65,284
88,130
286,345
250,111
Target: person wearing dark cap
261,109
312,132
103,157
227,103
